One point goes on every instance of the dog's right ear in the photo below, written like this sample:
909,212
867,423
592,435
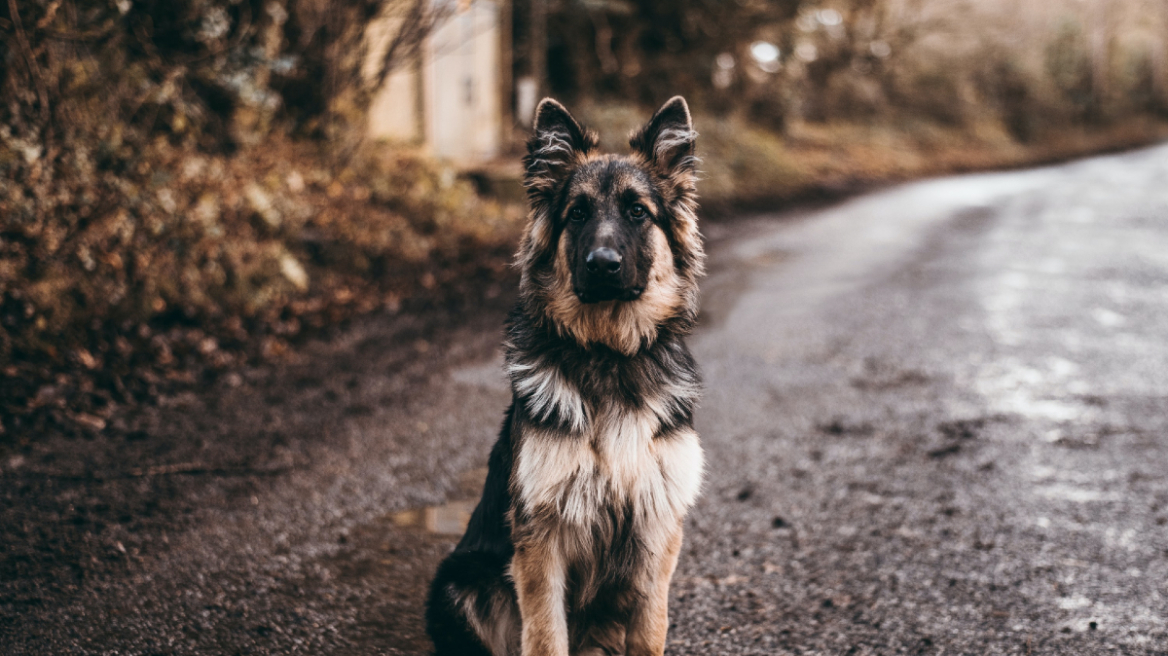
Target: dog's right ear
558,143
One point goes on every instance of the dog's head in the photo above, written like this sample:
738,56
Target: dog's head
612,250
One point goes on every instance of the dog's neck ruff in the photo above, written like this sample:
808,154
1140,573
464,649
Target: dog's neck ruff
556,379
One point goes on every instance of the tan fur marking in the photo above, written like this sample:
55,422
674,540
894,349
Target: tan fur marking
604,640
644,199
650,622
540,579
623,326
687,235
585,185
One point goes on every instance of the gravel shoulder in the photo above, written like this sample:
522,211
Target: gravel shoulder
934,423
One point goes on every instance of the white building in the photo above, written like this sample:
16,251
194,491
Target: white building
454,99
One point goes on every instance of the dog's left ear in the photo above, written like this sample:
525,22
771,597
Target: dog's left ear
667,140
667,144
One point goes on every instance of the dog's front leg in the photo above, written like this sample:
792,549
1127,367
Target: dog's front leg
650,620
539,574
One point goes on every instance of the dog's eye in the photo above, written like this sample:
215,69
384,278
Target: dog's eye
577,214
638,211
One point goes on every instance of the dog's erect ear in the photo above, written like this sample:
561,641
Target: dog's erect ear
667,140
556,145
552,118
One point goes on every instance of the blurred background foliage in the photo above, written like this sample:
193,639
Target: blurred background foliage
948,61
796,96
186,184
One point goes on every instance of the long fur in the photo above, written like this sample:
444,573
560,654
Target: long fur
572,546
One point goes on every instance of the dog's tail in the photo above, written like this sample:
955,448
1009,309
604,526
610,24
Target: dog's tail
472,609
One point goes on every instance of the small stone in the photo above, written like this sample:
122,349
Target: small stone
392,303
291,268
262,205
207,209
295,182
86,359
92,422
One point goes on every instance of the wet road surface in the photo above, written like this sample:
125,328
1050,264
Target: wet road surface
936,422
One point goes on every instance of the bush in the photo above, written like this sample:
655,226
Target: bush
190,261
183,185
1069,66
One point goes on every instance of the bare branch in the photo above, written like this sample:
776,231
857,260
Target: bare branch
418,22
34,69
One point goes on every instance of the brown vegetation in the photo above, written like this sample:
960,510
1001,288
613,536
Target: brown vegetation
196,261
173,202
803,96
184,184
1036,67
744,166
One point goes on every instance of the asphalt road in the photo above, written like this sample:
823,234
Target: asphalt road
936,423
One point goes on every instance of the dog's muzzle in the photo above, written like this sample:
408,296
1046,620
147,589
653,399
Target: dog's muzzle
603,279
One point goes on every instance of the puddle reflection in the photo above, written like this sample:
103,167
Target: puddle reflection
447,519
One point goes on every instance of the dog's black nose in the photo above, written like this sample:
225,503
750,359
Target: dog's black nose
604,261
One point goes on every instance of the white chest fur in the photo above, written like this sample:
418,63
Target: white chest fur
616,459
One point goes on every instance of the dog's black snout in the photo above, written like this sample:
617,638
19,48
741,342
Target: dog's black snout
604,261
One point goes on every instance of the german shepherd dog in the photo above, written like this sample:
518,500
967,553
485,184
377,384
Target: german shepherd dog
573,545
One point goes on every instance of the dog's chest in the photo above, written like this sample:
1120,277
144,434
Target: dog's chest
618,462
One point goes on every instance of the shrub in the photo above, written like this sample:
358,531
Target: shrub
1069,65
183,185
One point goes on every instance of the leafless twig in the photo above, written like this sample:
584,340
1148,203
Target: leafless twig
417,24
203,468
168,470
34,69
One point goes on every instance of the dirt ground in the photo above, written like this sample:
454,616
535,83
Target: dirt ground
935,423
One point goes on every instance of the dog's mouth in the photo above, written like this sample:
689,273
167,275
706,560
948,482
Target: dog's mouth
601,294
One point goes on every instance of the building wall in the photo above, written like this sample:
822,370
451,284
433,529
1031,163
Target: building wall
452,100
462,84
395,110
